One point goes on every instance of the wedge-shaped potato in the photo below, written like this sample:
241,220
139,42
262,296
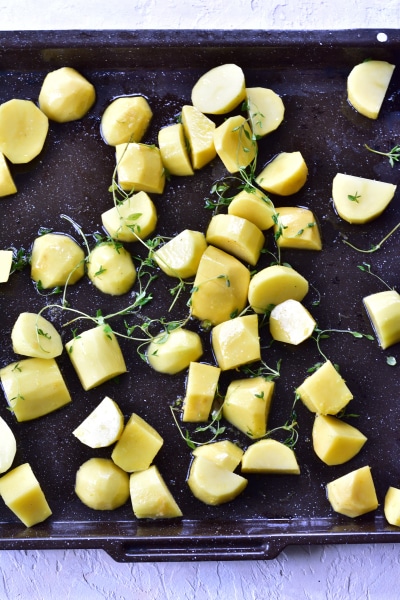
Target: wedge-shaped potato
297,228
140,168
33,335
284,175
383,309
236,236
391,506
174,150
22,493
102,427
247,404
273,285
8,446
236,342
138,445
56,260
151,497
325,392
34,387
23,130
7,184
224,453
234,143
353,494
101,484
199,131
290,322
358,200
180,256
133,219
265,109
367,85
270,456
111,269
334,441
173,352
6,259
219,90
220,287
96,356
125,120
66,95
254,206
201,387
213,484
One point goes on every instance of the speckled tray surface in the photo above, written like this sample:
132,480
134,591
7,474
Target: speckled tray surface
72,176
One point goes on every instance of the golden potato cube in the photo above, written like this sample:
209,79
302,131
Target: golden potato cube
234,143
22,493
325,391
358,200
247,404
284,175
219,90
8,446
56,260
254,206
270,456
23,130
224,453
34,387
140,168
6,259
66,95
151,497
173,352
273,285
125,120
199,131
96,356
174,151
392,506
201,387
101,484
236,236
138,445
334,441
7,185
367,85
297,228
236,342
102,427
290,322
133,219
111,269
220,287
180,257
353,494
383,309
33,335
213,484
265,109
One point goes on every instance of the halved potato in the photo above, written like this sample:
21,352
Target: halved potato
353,494
56,259
284,175
236,236
125,120
102,427
273,285
367,85
199,131
140,168
254,206
201,387
137,446
8,446
180,256
247,404
266,110
334,441
270,456
150,496
219,90
212,483
174,151
224,453
296,227
133,219
383,309
290,322
33,335
325,391
234,143
6,259
392,506
358,200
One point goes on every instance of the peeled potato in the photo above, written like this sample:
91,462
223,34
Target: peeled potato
367,85
101,484
174,351
392,506
125,120
23,130
254,206
8,446
212,483
151,497
296,227
334,441
290,322
7,185
180,256
6,259
224,453
353,494
219,90
174,151
383,309
358,200
199,131
133,219
234,143
325,391
56,259
33,335
237,236
285,175
102,427
66,95
266,110
274,285
270,456
111,269
140,168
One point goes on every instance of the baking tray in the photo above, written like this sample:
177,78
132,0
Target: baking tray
72,176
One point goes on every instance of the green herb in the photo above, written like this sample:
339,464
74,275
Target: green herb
366,268
354,198
393,155
375,247
21,259
324,334
264,371
213,427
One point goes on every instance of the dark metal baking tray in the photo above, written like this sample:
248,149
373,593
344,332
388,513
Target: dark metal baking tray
72,175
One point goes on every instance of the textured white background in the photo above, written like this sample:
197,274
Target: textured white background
331,572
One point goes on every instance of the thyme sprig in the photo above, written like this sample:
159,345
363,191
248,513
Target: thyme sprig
393,155
375,247
264,371
322,334
213,427
366,268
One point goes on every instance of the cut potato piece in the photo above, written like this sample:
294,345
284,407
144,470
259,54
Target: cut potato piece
110,268
173,352
392,506
285,175
96,356
234,143
201,387
334,441
273,285
367,85
6,260
34,387
180,256
224,453
247,404
66,95
383,309
102,427
220,287
125,120
199,131
270,456
140,168
100,484
236,236
8,446
174,152
236,342
220,90
353,494
297,228
150,496
133,219
22,493
33,335
23,130
56,260
358,200
325,392
290,322
266,110
138,445
254,206
213,484
7,185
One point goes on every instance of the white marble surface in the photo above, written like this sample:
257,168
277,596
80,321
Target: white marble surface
323,572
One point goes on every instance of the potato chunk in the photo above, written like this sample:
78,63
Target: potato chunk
180,257
236,342
173,352
325,392
270,456
383,309
290,322
102,427
111,269
8,446
138,445
133,219
334,441
219,90
66,95
23,130
266,110
201,387
254,206
199,131
297,228
125,120
236,236
367,85
101,484
247,404
140,168
213,484
224,453
174,151
275,284
392,506
6,259
284,175
358,200
33,335
56,260
150,496
7,184
353,494
234,143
